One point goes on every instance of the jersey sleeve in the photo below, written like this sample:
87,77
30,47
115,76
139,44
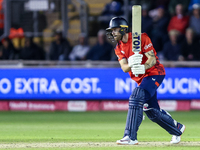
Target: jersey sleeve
118,53
146,43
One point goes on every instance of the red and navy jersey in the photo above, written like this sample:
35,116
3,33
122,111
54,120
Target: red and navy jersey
124,50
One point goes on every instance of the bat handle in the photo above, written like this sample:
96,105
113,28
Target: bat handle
136,75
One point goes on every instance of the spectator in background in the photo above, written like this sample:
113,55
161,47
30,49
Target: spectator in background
80,51
114,8
8,51
179,22
102,50
60,48
192,2
159,31
147,22
173,3
158,3
31,51
194,22
190,47
172,49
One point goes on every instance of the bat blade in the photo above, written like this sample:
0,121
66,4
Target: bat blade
136,28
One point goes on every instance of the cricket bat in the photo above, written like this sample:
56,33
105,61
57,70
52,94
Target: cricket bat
136,29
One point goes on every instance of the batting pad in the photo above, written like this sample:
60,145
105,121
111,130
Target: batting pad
164,120
135,113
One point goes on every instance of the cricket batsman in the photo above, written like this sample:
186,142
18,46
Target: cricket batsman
145,69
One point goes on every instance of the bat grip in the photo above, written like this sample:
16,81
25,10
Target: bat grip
136,75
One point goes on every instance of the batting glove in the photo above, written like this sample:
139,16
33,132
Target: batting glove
134,60
138,69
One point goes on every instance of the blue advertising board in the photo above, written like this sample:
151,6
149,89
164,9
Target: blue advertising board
91,84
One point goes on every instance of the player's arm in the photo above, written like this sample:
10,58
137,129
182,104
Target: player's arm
124,65
151,61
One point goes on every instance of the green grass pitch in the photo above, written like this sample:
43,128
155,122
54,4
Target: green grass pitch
89,130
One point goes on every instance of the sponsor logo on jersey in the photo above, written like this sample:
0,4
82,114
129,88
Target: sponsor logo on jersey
147,46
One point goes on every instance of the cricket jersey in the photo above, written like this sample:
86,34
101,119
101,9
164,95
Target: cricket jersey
124,51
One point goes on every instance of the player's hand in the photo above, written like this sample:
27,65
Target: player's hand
138,69
134,60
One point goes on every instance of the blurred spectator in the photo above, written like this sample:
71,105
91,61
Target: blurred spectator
60,48
173,4
80,51
31,51
192,2
147,22
172,49
190,47
158,3
194,22
179,22
8,51
159,31
112,9
102,50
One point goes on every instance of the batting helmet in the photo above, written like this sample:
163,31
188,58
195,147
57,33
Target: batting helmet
118,22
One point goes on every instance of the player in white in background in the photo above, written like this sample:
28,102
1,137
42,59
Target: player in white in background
150,74
80,51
